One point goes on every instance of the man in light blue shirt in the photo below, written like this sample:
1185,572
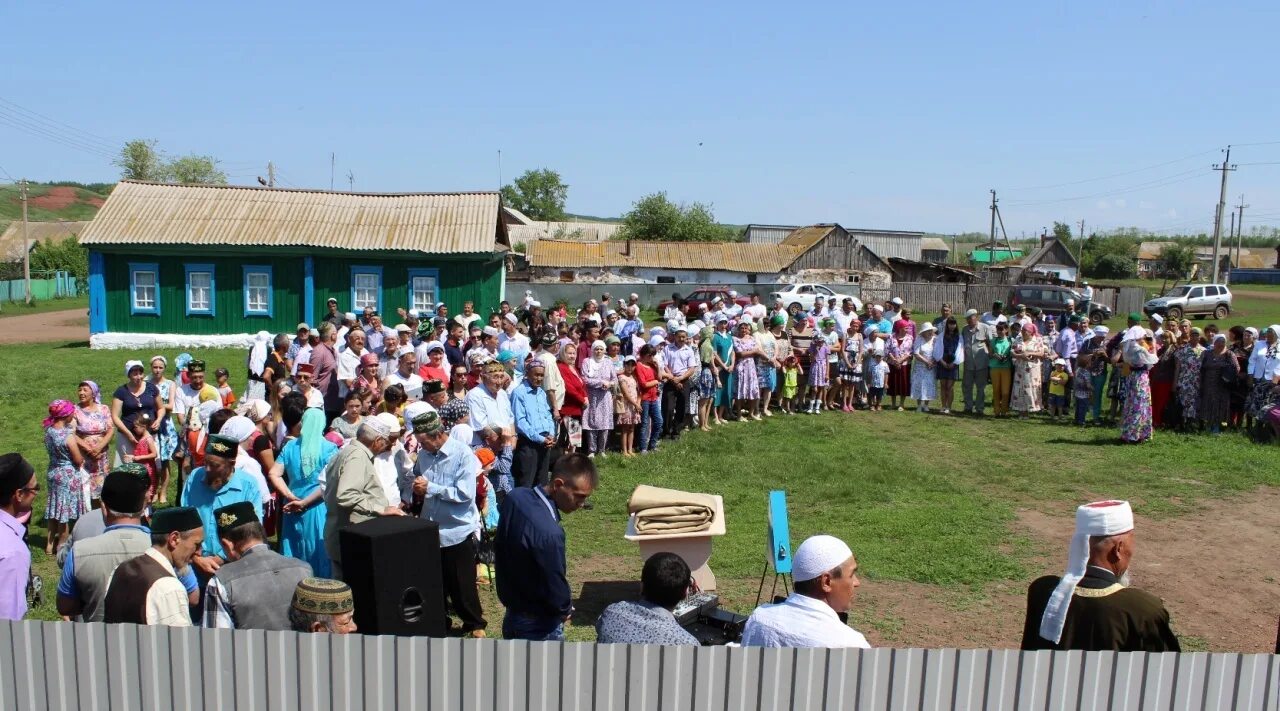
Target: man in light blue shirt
535,428
489,404
218,483
445,476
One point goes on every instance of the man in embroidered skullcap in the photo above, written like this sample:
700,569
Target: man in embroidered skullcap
1091,606
825,575
253,590
322,605
353,492
146,590
218,483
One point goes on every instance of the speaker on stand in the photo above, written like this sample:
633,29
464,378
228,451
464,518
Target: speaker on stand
392,564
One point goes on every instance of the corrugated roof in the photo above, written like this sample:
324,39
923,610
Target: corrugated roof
768,234
1151,250
569,231
806,237
716,256
934,244
11,240
435,223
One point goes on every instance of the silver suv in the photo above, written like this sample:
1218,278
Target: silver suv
1199,300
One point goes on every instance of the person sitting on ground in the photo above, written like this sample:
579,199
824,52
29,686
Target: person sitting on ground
825,575
1091,606
322,605
251,591
664,582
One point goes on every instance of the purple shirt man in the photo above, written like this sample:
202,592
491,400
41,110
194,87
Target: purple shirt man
17,493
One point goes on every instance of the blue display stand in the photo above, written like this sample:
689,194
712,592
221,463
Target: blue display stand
778,540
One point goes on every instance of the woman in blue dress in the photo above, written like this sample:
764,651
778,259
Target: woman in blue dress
722,345
302,462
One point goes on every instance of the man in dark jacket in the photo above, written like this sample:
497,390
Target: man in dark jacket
530,550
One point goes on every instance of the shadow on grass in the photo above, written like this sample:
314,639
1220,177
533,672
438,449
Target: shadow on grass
1098,441
599,594
73,345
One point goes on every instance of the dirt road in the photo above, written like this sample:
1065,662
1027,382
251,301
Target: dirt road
72,325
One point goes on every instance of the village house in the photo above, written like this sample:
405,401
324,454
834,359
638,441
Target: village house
210,265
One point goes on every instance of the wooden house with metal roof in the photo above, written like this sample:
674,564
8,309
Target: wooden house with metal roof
210,264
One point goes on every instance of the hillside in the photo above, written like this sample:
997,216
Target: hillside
49,203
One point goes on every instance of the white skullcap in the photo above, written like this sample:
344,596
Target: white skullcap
1133,333
1101,330
255,410
656,341
491,331
1252,331
415,408
1157,318
1100,518
635,295
817,555
692,330
512,318
599,344
896,301
877,307
350,316
403,328
238,428
673,325
377,426
433,346
536,304
390,421
698,324
716,300
702,306
413,313
733,294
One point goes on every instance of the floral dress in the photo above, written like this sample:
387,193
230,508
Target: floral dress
66,482
599,378
747,378
923,384
628,414
1028,376
92,427
819,373
1136,423
1187,381
167,436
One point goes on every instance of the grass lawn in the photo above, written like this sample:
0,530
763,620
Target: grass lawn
921,499
19,308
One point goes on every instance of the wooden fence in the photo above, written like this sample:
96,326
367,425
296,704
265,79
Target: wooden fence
928,297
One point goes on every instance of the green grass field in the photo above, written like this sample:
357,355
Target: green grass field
921,498
44,305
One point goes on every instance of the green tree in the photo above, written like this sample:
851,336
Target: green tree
201,170
67,255
655,217
540,194
1176,260
1062,231
1115,266
139,160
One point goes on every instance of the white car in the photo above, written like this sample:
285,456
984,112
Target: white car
804,295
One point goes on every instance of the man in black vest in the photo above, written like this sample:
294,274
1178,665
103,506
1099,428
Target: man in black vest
254,589
146,590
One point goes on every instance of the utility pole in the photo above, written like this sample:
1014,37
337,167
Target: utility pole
332,157
1225,167
954,257
499,168
1080,252
993,220
351,181
271,174
1240,229
26,245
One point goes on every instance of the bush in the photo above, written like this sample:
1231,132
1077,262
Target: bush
1114,266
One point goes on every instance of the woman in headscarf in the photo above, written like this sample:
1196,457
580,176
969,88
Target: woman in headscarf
1241,347
166,434
613,351
1218,375
94,430
924,383
1186,378
1135,414
134,397
1162,375
772,343
1264,374
67,482
722,345
1001,365
257,362
301,464
747,379
948,354
369,383
1027,373
707,380
600,379
898,352
455,418
575,399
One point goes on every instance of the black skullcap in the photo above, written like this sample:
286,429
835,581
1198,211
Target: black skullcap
176,518
234,516
123,491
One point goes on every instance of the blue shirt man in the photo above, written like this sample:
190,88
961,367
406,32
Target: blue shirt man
218,483
532,410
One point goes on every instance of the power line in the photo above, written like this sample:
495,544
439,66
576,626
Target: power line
16,121
1149,185
93,136
1115,175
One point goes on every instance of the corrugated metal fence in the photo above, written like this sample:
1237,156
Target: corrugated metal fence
59,665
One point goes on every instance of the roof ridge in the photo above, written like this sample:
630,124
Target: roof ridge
263,188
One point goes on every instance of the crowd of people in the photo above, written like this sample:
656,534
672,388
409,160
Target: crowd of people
491,427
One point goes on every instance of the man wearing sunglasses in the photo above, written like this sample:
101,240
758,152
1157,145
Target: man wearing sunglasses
18,490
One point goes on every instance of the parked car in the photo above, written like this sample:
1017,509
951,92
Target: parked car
804,295
704,295
1053,300
1199,300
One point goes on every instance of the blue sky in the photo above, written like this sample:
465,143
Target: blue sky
894,115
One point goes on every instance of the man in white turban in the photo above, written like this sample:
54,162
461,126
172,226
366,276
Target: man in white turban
825,575
1091,607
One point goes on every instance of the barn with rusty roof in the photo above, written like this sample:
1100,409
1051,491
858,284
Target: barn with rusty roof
208,264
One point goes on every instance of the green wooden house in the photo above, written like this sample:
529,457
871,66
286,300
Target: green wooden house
211,265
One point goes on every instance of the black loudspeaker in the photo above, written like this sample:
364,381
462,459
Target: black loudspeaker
392,564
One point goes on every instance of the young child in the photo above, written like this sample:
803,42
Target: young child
819,374
224,389
851,367
145,450
1083,389
878,375
628,406
1058,389
791,372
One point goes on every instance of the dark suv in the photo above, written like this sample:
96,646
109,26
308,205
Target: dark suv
1053,300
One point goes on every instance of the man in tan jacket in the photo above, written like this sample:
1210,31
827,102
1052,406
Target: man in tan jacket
353,493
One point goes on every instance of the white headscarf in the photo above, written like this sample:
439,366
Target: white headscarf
238,428
1100,518
258,353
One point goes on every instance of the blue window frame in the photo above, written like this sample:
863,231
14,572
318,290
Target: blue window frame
201,289
366,288
424,289
144,288
257,290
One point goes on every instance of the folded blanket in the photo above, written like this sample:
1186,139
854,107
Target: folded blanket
666,511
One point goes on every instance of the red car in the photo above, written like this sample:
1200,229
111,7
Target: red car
704,295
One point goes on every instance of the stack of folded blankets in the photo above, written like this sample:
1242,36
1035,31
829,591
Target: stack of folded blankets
667,511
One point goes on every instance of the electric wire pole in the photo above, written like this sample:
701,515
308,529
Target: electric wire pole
1226,166
271,174
1080,253
1240,229
26,246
